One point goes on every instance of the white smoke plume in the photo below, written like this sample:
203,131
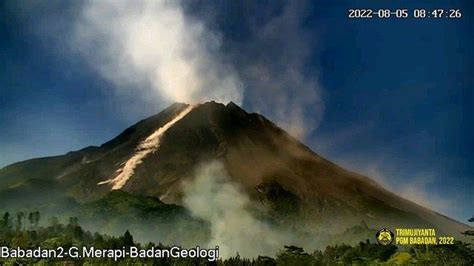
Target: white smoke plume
213,197
152,49
279,67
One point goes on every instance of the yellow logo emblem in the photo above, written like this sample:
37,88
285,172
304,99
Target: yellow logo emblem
384,236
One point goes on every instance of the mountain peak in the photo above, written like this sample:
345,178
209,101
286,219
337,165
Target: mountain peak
158,155
231,104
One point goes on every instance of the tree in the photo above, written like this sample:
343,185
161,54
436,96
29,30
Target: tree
54,224
127,239
469,232
54,221
36,218
293,255
19,221
73,221
6,220
31,220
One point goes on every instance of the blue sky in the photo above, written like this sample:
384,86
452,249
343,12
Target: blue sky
389,98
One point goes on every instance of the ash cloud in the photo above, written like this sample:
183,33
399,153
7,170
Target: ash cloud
159,52
152,50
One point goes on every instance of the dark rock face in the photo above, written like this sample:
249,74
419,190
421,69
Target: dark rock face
277,171
279,200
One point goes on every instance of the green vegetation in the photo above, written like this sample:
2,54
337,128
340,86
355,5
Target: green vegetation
25,230
147,217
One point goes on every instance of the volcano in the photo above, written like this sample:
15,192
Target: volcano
157,156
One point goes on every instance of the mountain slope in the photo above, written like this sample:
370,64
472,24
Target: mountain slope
280,175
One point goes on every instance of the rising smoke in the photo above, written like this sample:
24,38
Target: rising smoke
279,66
213,197
152,49
155,50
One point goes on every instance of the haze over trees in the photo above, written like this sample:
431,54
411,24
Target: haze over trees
25,230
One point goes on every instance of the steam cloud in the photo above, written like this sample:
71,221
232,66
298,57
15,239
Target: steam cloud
152,47
213,197
276,68
154,50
